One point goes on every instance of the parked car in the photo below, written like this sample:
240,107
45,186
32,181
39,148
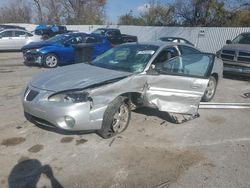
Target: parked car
98,96
48,31
60,50
3,26
115,36
236,55
176,39
15,39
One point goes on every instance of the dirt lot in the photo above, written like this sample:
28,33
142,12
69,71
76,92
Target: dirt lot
210,151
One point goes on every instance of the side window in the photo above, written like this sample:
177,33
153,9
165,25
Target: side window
194,65
75,40
188,50
29,34
165,55
93,40
19,34
183,41
6,34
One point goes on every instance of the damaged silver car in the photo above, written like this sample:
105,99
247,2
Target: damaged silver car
99,96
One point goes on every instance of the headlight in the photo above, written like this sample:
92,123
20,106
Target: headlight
32,51
70,97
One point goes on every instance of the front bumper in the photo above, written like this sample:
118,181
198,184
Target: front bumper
35,58
38,109
238,70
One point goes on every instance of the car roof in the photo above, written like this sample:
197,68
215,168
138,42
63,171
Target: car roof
106,28
1,30
73,34
160,44
244,33
173,38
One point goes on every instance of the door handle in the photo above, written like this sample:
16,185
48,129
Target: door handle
196,86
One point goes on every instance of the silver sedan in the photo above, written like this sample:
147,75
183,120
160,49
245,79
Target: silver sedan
15,39
99,96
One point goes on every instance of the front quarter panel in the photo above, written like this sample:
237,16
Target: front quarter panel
103,95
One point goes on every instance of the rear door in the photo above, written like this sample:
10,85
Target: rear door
179,83
20,39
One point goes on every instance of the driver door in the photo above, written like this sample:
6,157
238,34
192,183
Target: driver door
179,83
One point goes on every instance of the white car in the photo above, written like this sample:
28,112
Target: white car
15,39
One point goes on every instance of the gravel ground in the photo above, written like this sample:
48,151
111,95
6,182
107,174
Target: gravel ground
210,151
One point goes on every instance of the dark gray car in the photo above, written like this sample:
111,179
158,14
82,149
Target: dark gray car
236,55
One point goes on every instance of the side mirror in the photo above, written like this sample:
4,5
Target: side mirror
228,42
152,70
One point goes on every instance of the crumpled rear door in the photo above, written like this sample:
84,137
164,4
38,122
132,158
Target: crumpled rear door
180,84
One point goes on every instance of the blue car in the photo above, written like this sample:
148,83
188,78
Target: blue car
65,49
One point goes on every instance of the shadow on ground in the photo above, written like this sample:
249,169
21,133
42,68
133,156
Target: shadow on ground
156,113
28,172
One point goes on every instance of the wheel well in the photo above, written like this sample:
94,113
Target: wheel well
53,53
215,75
133,97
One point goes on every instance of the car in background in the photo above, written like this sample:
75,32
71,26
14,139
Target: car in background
61,49
48,31
99,96
3,26
115,36
15,39
176,39
236,55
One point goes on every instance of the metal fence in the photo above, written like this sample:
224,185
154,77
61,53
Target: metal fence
208,39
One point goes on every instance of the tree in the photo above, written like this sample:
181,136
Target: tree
130,19
12,13
158,14
84,11
39,10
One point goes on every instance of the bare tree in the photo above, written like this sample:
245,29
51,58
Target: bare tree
39,10
84,11
12,13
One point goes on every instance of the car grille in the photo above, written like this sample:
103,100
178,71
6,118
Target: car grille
31,95
37,120
244,56
227,54
236,56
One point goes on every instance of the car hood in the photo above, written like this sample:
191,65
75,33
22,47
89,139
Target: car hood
241,47
37,45
77,76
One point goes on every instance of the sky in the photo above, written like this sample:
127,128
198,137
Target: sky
116,8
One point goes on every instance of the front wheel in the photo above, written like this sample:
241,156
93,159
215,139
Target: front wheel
116,118
210,90
50,61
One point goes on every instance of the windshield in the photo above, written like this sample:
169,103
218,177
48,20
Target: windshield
129,58
58,38
99,32
242,39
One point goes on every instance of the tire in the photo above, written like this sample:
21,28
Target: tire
115,119
210,90
50,60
